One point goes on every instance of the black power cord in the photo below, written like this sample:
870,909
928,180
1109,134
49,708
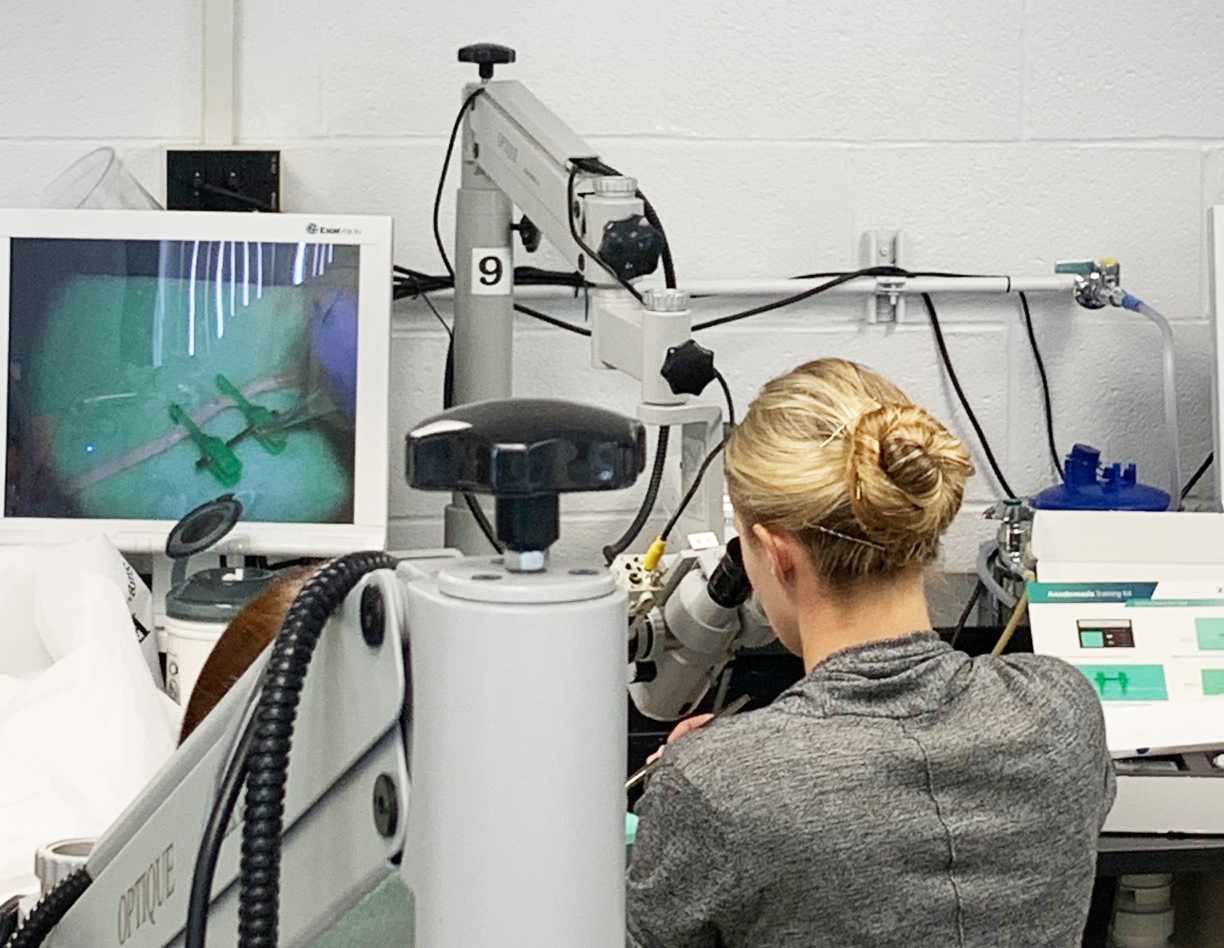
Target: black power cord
718,376
613,550
551,320
960,394
450,148
409,284
1197,475
1055,458
482,521
800,297
448,385
669,268
837,279
692,491
232,779
433,309
978,589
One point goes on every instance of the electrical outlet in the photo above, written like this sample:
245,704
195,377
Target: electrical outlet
222,179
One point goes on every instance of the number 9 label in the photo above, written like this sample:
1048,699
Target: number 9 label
491,271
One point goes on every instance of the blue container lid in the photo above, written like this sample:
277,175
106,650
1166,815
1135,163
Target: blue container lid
1088,485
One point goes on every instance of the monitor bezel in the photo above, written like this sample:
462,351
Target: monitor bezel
1215,250
371,448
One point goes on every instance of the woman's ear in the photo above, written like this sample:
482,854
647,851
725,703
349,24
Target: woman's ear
779,551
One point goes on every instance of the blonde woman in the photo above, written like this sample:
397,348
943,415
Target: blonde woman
901,794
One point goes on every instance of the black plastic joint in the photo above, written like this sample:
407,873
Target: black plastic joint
688,368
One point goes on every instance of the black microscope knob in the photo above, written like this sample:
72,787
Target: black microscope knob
688,368
526,451
631,247
523,446
486,56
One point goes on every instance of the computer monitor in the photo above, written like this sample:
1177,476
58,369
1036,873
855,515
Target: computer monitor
158,359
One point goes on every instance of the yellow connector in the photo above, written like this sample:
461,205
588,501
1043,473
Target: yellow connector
654,554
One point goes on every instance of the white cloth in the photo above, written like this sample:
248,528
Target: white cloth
83,724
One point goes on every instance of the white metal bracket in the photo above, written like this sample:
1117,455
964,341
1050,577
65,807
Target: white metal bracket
885,248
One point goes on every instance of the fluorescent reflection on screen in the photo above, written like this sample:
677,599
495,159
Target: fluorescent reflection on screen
220,292
191,299
299,264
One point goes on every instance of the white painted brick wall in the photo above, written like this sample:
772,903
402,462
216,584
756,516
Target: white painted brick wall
1000,136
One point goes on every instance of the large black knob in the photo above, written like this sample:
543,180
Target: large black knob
486,56
688,368
631,247
526,451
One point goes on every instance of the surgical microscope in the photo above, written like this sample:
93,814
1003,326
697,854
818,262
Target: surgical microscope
452,726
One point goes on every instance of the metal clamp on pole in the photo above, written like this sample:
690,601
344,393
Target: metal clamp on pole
890,289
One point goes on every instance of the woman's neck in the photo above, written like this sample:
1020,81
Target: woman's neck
868,611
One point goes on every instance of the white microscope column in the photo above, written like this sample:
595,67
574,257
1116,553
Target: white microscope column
516,812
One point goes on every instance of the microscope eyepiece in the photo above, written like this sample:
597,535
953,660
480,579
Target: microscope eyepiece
729,586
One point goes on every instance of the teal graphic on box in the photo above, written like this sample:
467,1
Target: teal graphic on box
1210,632
1213,682
1127,682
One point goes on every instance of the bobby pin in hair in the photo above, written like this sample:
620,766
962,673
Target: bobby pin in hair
845,536
853,421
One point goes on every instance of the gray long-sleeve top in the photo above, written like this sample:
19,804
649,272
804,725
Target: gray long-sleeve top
902,794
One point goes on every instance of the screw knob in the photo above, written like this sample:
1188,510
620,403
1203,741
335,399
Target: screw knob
614,184
486,56
660,300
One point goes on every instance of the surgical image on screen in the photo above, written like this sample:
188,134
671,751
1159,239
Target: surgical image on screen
146,377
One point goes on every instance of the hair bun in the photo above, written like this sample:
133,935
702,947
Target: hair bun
907,475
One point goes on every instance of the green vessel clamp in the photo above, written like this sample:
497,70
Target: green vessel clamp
261,422
216,455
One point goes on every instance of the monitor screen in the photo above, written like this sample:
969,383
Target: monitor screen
158,360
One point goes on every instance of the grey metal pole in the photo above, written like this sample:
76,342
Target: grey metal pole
484,312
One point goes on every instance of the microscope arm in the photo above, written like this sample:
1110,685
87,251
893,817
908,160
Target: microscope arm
516,151
349,759
529,155
527,152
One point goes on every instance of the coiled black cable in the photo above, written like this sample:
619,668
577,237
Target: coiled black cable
613,550
51,908
267,764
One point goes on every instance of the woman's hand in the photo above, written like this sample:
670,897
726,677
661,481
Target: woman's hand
684,727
